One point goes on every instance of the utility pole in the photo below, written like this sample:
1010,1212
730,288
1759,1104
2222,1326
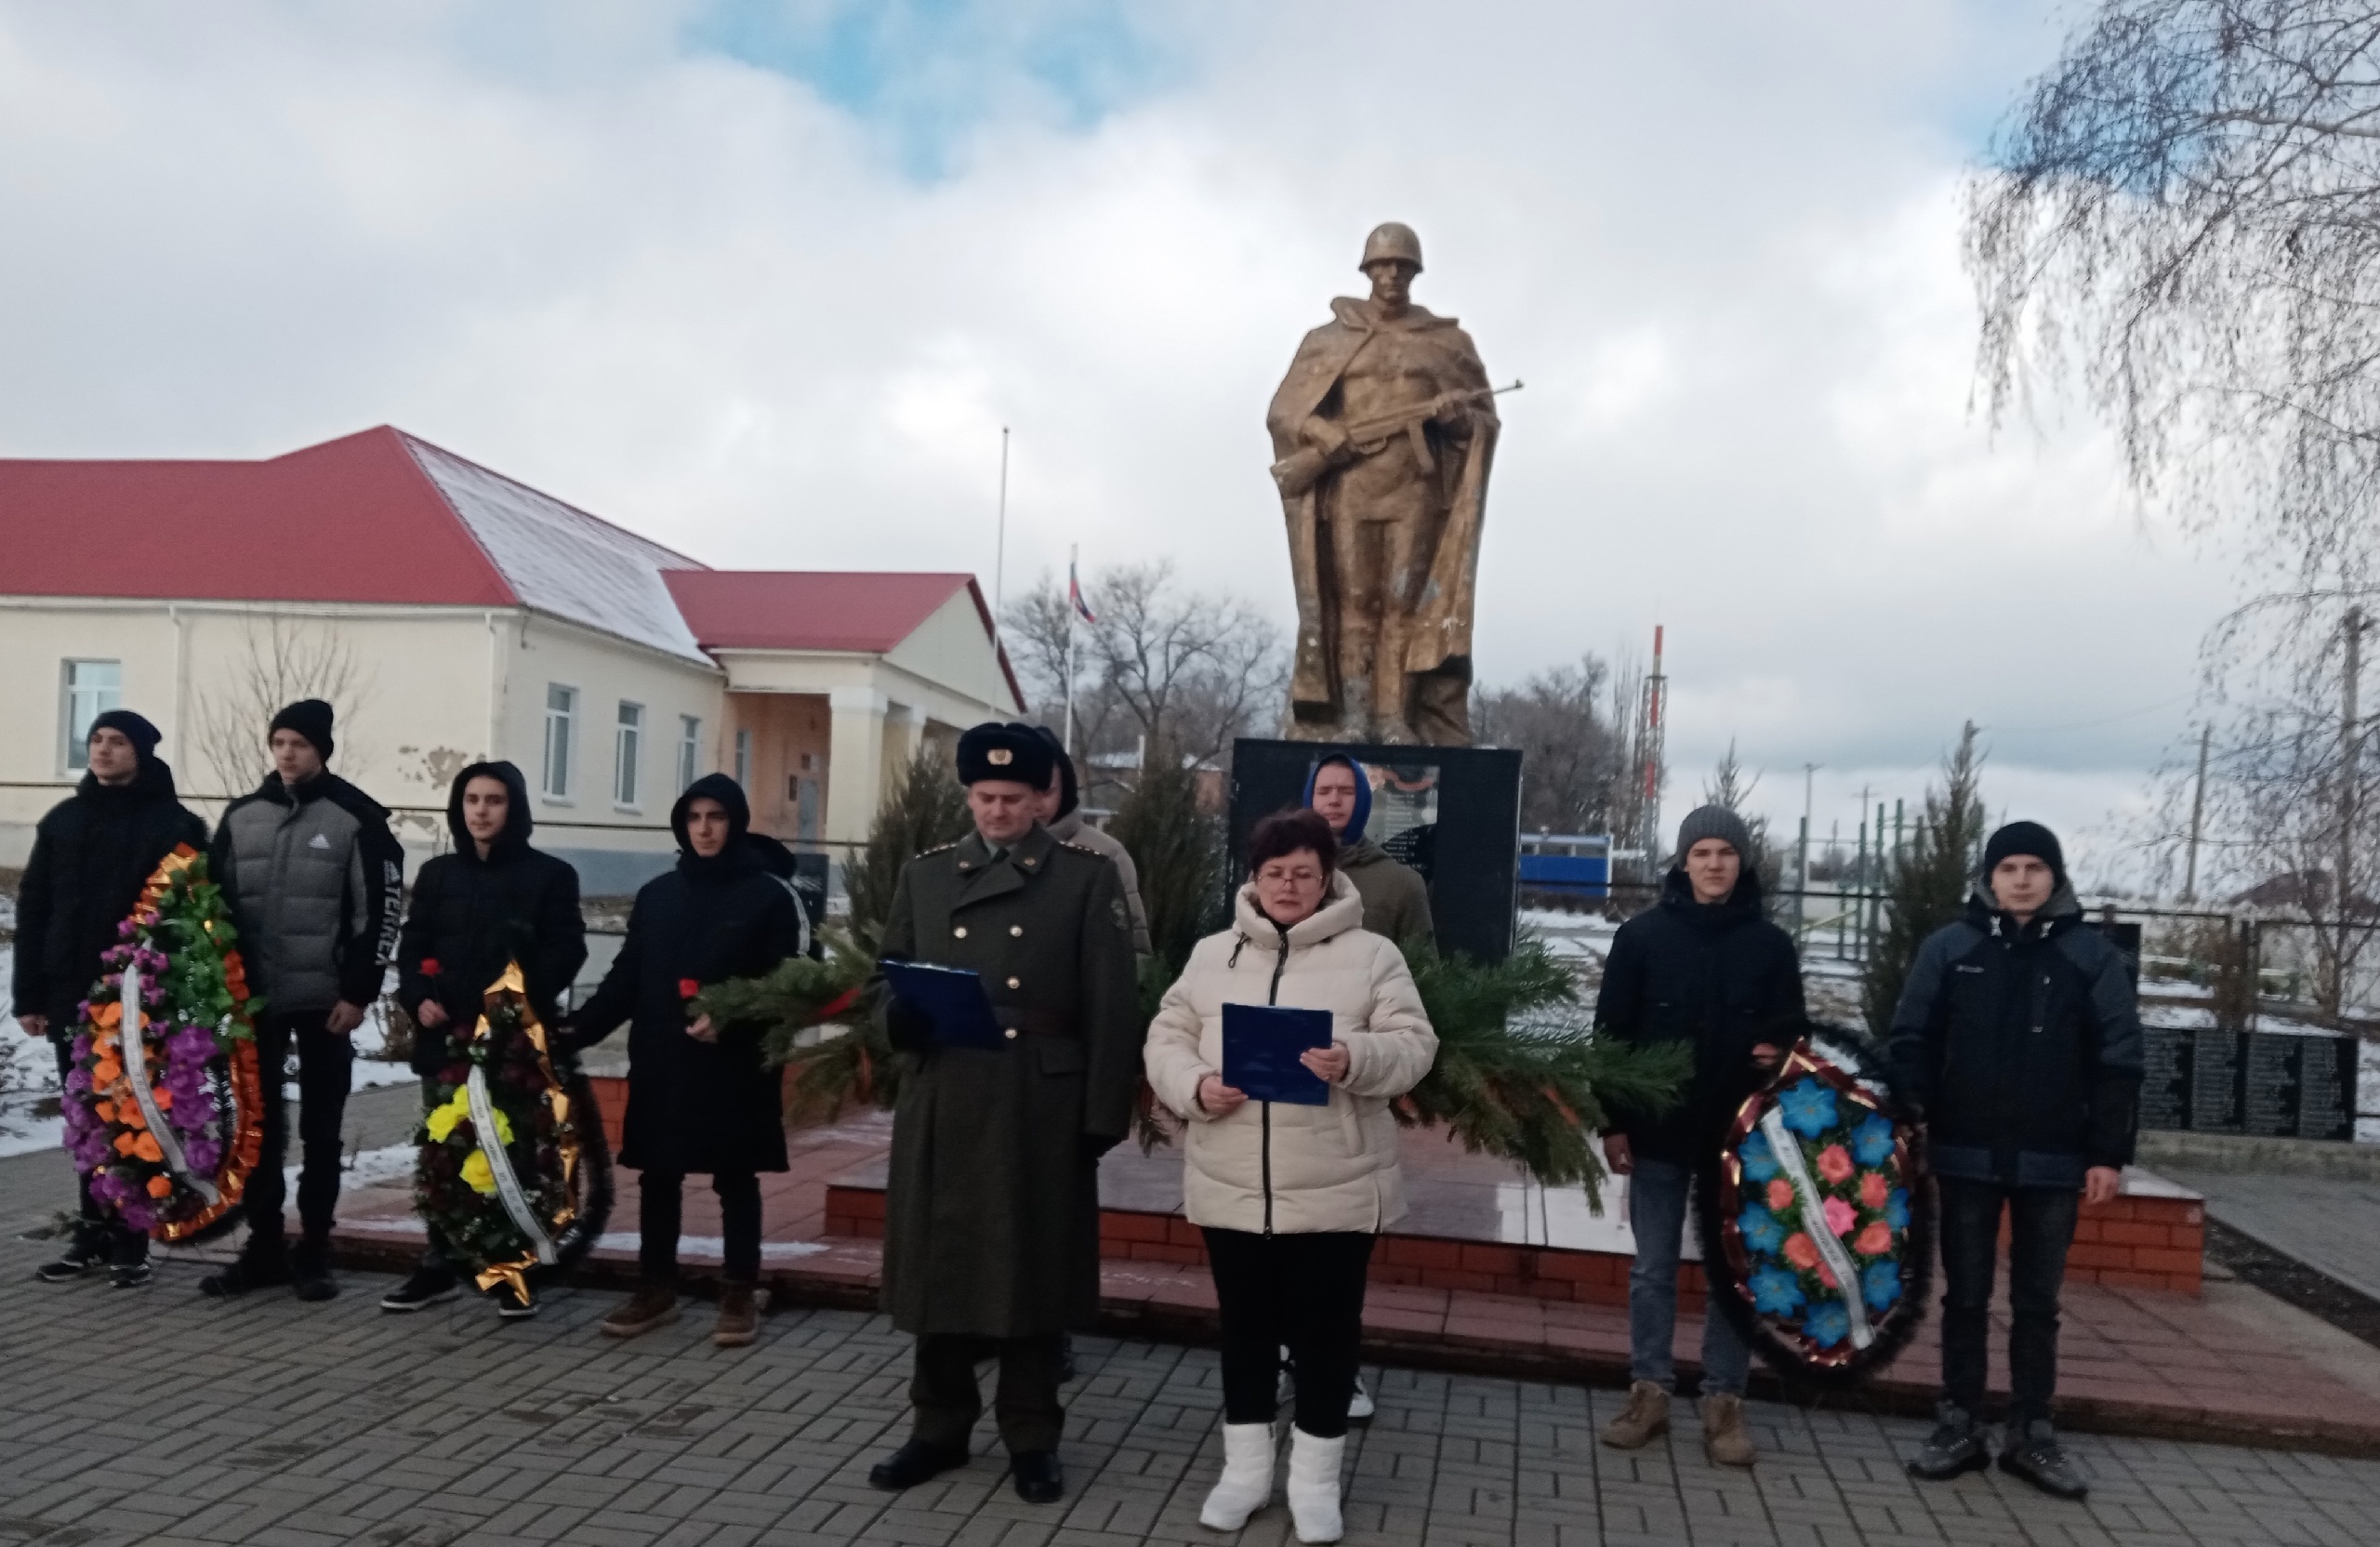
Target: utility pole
2197,816
1000,552
2350,743
1074,592
1810,785
1650,741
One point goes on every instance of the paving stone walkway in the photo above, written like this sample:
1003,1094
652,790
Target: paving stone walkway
157,1416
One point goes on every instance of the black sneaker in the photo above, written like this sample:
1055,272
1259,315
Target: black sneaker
79,1258
256,1267
2034,1454
310,1271
132,1275
428,1287
512,1306
1956,1446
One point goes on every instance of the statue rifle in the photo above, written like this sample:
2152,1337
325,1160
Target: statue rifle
1297,472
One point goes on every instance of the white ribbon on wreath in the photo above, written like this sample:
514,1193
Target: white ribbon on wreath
499,1165
1788,1150
135,1058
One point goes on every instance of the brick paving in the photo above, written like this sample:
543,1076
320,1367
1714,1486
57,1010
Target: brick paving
157,1416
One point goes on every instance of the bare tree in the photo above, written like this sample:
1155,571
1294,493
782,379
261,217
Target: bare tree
282,660
2183,216
1572,753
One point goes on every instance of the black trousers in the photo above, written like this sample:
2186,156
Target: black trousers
1303,1290
943,1390
660,1209
326,1065
95,1228
2041,1226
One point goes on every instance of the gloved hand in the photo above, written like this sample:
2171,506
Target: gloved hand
1093,1147
908,1028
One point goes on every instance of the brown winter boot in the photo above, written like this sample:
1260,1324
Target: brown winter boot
653,1305
1726,1441
1648,1414
739,1315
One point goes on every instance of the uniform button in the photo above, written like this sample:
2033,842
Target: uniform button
1016,930
1013,984
1009,1033
960,931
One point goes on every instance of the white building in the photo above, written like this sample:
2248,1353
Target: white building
451,614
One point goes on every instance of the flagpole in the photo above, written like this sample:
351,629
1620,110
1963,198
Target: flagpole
1073,553
999,552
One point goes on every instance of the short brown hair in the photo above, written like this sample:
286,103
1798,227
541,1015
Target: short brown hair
1286,832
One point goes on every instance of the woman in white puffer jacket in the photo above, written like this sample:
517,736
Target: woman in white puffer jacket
1291,1196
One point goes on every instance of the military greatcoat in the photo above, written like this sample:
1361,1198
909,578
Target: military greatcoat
992,1206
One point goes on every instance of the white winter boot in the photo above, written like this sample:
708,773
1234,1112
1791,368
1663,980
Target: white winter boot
1246,1482
1314,1485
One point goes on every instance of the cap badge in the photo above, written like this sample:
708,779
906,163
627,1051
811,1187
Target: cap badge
999,757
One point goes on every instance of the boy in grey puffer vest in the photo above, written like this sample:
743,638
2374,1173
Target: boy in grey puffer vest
316,882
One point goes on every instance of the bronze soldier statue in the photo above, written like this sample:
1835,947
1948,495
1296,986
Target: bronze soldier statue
991,1238
1384,430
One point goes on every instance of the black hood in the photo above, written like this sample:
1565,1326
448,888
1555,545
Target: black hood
519,822
1745,902
738,854
771,854
152,781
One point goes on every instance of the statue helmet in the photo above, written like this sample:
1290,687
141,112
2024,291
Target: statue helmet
1393,239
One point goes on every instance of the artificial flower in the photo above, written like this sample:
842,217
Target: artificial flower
1834,1164
1780,1195
1872,1140
1775,1292
1880,1285
1826,1324
429,965
1840,1217
479,1173
1801,1251
1874,1241
1873,1190
1808,1108
689,987
1896,1209
1760,1161
160,1186
1761,1229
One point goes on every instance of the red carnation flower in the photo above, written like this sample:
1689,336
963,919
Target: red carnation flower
429,965
689,987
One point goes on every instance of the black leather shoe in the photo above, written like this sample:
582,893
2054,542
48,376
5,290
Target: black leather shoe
2034,1454
1956,1446
1038,1479
918,1462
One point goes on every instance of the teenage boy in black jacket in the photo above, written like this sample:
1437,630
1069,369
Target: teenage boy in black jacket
2017,1040
92,854
494,900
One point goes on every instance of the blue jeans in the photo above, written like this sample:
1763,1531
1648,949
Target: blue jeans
1656,1195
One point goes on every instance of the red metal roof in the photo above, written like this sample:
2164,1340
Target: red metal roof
351,520
862,611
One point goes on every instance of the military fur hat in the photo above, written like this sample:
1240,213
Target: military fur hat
995,751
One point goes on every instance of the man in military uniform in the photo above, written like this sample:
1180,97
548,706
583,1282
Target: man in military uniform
1384,430
991,1240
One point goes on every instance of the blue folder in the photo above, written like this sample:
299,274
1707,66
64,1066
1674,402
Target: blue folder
953,999
1260,1047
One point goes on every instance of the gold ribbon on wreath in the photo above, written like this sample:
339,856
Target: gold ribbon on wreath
512,989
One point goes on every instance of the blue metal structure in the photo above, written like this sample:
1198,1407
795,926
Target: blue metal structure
1577,865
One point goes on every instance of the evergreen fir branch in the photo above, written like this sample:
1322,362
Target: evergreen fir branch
1926,886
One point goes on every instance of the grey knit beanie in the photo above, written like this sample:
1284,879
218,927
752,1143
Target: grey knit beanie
1713,822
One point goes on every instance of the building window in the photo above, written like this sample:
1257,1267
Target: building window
627,753
92,688
689,749
744,758
562,736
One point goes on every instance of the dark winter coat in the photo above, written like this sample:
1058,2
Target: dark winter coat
1719,975
697,1106
472,916
92,854
317,882
2020,1046
992,1208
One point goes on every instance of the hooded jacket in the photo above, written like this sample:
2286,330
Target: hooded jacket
697,1106
92,854
317,882
2020,1046
1272,1167
1719,975
470,916
1396,900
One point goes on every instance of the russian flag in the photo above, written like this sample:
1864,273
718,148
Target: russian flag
1074,594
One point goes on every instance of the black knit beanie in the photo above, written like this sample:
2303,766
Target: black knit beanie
135,729
2025,838
309,718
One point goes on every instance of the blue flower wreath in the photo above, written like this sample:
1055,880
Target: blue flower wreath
1872,1141
1828,1323
1760,1161
1776,1290
1808,1106
1763,1231
1880,1285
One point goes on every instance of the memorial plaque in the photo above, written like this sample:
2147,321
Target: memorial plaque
2269,1089
2166,1054
2214,1080
2326,1087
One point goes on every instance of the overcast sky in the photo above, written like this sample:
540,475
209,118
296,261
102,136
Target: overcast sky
764,282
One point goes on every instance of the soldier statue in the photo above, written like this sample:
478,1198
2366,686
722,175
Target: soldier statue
1384,430
991,1238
